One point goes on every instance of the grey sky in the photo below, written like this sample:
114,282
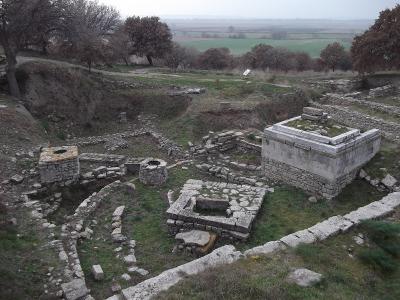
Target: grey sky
269,9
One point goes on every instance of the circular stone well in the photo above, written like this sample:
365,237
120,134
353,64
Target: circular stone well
153,171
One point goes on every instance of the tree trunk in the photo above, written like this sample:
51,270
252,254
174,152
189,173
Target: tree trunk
11,57
150,59
126,61
90,66
12,79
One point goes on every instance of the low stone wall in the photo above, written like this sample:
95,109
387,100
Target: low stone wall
104,159
390,130
307,181
227,254
73,230
246,146
337,99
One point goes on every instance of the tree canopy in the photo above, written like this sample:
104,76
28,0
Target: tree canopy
333,55
378,48
149,37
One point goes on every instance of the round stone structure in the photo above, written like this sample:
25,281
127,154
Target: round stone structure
153,171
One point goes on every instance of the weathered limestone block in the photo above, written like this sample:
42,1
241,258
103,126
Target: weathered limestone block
389,181
304,277
194,237
97,272
268,248
119,211
75,289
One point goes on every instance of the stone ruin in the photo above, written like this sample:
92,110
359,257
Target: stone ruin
153,172
59,164
311,159
223,208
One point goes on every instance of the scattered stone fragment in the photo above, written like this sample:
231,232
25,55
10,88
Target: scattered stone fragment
142,272
359,239
304,277
389,181
116,287
313,199
130,259
119,211
16,179
126,277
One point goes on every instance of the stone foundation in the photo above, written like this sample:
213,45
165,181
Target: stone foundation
59,164
307,181
237,207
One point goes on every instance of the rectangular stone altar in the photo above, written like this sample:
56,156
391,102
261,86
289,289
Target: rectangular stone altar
320,163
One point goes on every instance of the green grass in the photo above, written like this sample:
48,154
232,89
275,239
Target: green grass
308,125
240,46
288,210
375,113
144,220
345,276
23,263
387,160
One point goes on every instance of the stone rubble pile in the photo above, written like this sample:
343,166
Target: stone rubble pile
217,143
230,176
101,173
382,91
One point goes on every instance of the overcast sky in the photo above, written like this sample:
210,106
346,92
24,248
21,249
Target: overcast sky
269,9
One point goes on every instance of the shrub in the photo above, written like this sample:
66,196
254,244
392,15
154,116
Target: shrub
384,234
378,259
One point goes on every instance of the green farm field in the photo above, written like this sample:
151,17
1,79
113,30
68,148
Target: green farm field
239,46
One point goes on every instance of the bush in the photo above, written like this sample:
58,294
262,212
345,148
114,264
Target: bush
384,234
379,259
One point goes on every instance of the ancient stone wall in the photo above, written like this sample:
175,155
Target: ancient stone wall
304,180
337,99
390,130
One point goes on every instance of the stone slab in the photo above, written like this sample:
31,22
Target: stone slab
194,237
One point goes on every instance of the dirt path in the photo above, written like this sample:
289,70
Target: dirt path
144,73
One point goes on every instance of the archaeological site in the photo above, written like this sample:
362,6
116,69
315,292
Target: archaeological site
146,157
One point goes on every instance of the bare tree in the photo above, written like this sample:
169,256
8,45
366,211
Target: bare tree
25,22
119,43
87,30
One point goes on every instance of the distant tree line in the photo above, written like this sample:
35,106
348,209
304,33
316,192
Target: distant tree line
263,57
89,32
